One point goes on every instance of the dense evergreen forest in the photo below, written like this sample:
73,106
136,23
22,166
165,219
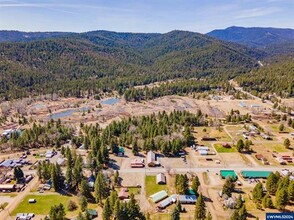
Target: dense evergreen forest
167,133
95,62
276,77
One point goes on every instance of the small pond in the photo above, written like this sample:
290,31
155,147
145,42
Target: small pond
110,101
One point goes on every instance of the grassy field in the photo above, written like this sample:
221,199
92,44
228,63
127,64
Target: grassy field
8,194
160,216
275,128
135,191
43,204
152,187
220,149
212,132
276,147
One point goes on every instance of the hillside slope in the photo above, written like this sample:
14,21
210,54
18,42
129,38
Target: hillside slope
275,77
104,61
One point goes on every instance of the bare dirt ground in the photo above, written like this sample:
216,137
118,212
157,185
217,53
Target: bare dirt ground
233,159
89,111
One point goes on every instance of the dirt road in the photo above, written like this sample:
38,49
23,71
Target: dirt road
5,214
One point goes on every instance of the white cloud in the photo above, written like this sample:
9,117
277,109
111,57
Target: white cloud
15,4
256,12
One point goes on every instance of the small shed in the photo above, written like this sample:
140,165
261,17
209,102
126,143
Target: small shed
121,152
92,213
160,178
203,148
203,152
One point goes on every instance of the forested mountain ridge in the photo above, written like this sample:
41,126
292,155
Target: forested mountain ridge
255,37
275,77
105,61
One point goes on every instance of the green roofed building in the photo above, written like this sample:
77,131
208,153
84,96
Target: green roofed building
228,173
92,213
159,196
255,174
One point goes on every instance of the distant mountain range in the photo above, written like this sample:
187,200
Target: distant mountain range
255,36
19,36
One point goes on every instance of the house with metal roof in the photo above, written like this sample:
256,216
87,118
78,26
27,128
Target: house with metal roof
255,174
160,178
168,201
158,196
228,173
187,199
10,187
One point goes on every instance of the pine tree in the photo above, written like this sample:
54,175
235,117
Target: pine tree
272,183
112,199
291,190
83,203
116,178
133,208
287,143
208,216
57,212
18,173
281,199
243,213
240,145
106,213
235,215
175,215
135,148
195,184
200,209
100,188
239,202
85,189
257,193
117,212
228,187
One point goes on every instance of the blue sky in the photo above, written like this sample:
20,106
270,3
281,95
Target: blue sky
143,15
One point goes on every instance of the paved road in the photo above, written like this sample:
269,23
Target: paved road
201,169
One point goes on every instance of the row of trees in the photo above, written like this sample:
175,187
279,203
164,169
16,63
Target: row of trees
281,187
235,116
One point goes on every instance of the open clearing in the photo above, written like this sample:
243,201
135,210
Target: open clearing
152,187
42,205
220,149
